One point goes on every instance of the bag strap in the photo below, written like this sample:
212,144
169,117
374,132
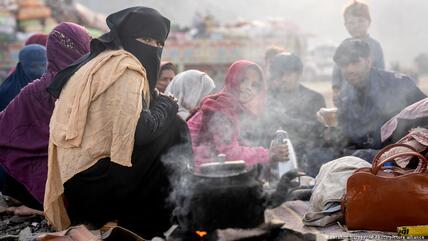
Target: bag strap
422,168
376,159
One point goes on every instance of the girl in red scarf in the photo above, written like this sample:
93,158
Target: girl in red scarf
215,127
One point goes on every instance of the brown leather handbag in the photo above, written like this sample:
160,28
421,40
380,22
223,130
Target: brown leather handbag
381,198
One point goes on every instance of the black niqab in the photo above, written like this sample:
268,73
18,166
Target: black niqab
125,27
149,57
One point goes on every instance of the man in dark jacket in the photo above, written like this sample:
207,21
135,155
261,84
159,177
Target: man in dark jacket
369,97
291,106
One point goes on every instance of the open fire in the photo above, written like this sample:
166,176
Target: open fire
201,233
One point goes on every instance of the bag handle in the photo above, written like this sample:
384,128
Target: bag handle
387,148
420,169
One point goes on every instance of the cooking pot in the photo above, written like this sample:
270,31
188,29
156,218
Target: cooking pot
223,194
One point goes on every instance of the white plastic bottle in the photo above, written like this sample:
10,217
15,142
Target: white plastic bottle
283,166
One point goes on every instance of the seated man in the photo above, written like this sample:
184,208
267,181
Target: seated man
368,98
291,106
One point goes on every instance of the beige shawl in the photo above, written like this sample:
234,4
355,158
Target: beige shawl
95,117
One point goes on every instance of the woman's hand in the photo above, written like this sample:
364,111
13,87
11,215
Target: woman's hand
169,95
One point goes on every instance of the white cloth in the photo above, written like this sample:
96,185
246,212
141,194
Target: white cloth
330,183
330,186
190,87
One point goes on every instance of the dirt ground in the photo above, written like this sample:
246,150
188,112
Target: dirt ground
324,87
19,228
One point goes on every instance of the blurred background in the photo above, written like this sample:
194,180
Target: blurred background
211,34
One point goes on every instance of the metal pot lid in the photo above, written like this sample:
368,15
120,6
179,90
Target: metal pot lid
222,169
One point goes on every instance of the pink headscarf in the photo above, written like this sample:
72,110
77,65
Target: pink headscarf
227,103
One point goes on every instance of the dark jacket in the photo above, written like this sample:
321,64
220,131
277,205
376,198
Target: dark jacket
294,112
361,115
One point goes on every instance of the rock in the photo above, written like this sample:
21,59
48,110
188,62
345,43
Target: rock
25,234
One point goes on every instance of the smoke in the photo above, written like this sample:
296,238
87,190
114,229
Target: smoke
179,162
291,111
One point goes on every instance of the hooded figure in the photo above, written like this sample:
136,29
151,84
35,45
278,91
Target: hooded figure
38,38
110,128
31,65
190,87
24,124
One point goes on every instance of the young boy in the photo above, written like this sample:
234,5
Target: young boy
357,22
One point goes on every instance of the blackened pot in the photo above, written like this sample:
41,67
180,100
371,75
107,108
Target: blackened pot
223,200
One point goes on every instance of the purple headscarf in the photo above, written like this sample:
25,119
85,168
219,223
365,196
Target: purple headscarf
24,124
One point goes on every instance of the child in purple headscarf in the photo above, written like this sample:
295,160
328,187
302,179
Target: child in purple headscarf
24,124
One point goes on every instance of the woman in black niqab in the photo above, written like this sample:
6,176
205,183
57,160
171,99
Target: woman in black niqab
134,196
126,27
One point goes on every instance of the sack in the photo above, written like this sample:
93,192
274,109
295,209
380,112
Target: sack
384,198
330,186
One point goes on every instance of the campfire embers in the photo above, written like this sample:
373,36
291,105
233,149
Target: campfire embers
264,232
201,233
178,234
